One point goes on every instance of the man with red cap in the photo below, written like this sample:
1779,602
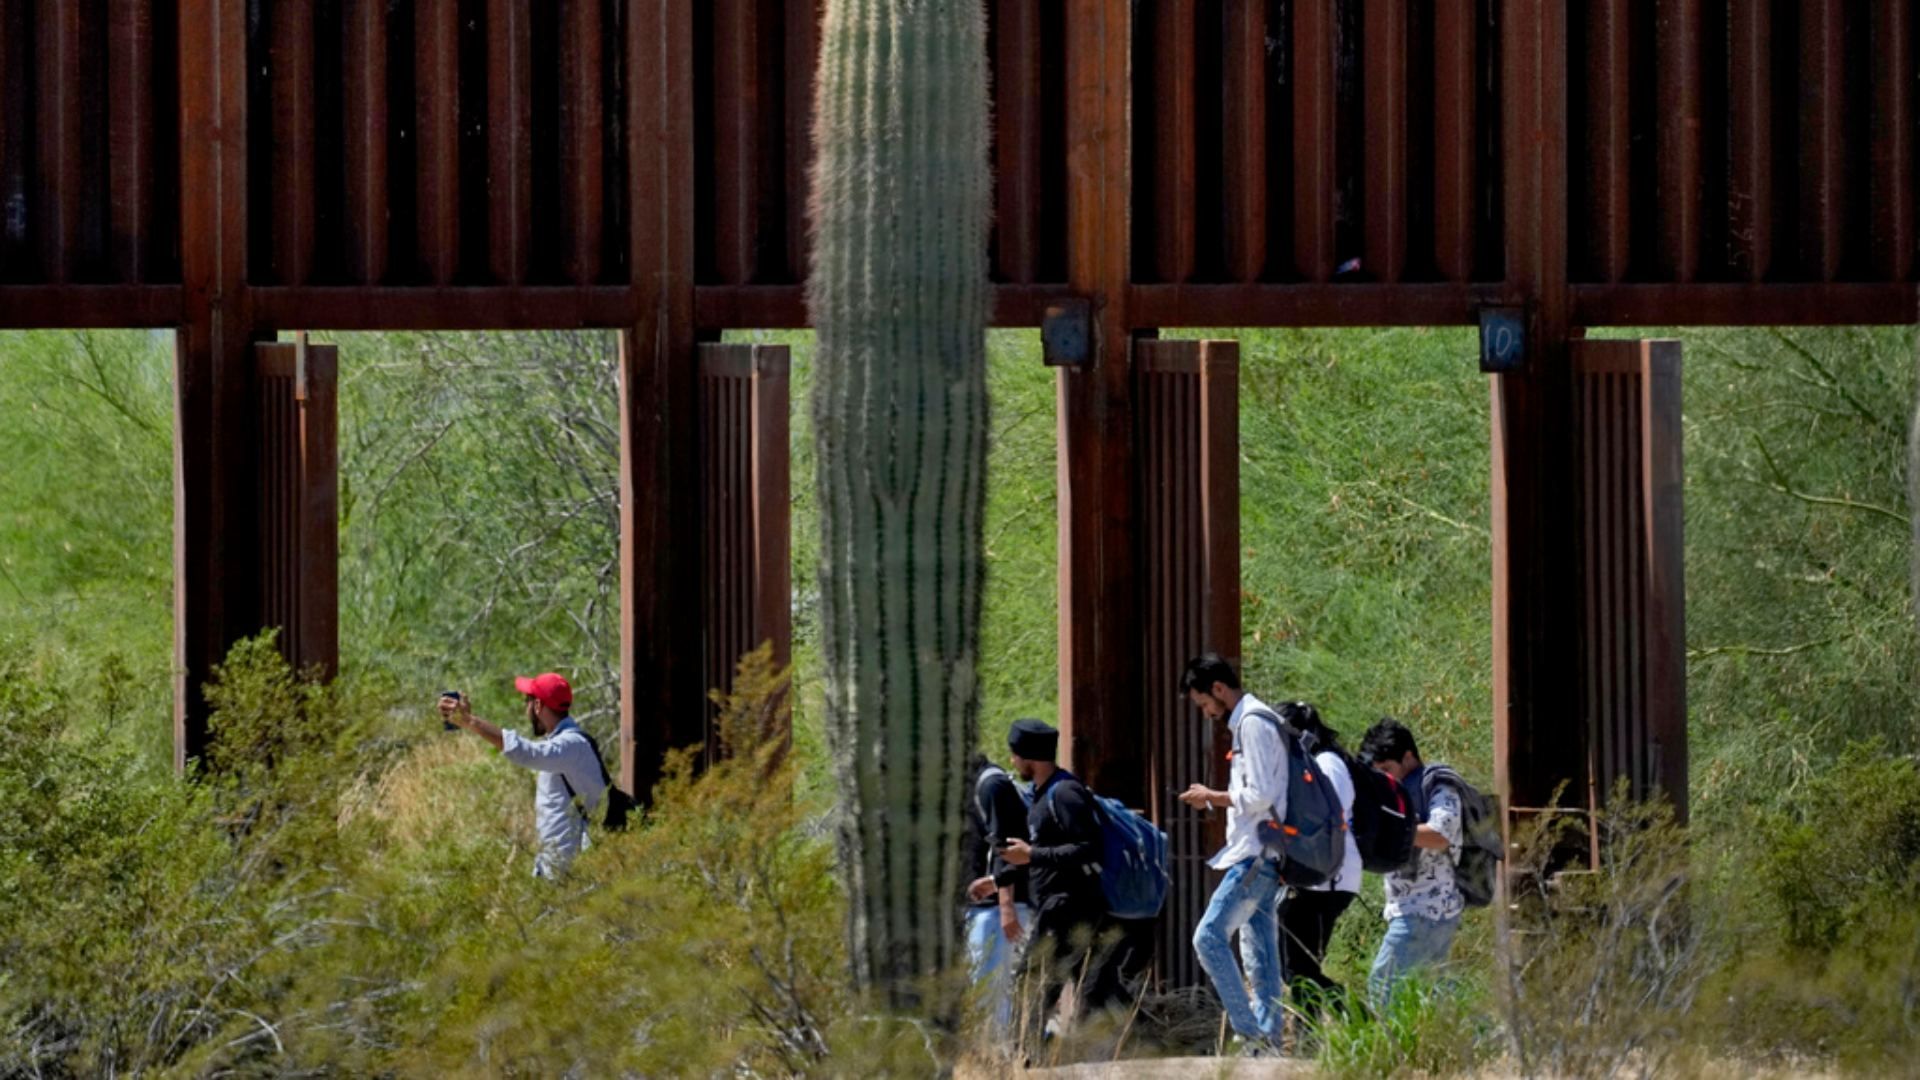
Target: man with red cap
566,764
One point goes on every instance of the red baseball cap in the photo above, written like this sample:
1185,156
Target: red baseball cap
551,689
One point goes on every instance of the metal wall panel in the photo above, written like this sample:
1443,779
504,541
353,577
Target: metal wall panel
745,528
1633,647
296,393
1188,403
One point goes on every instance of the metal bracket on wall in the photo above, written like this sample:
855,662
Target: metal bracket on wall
1503,339
1066,333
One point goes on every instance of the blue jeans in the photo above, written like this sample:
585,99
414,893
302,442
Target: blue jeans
992,959
1245,902
1411,943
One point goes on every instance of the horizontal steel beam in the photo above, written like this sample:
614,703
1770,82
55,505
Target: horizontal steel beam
91,307
452,308
1746,305
778,307
1151,306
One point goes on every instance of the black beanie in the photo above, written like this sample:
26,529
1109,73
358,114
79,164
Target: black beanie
1033,740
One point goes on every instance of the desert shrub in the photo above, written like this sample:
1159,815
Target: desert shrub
142,917
1429,1027
703,940
332,895
1607,964
1830,965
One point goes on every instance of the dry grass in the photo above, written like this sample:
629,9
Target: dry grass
437,783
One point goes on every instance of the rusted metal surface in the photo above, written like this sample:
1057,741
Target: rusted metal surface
509,140
1679,47
130,136
1822,138
1017,139
744,491
1306,305
1533,498
58,122
1602,170
297,499
1100,694
1313,135
661,704
290,66
364,124
1385,49
1891,181
214,549
1243,139
1633,652
452,308
1172,168
801,35
1750,203
1456,176
582,189
34,307
738,99
436,27
1254,139
16,97
1703,304
1188,404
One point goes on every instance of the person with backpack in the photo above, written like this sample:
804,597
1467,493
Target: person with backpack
1308,913
567,765
1061,853
1245,899
1424,904
999,914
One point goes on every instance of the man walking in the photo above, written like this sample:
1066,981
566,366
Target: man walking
567,765
1245,900
999,915
1062,858
1423,903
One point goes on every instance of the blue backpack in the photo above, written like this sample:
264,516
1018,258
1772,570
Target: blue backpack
1133,860
1312,842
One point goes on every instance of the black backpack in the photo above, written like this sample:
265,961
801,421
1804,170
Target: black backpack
1384,820
1476,870
617,802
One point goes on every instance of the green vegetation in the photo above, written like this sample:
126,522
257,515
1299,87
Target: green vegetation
364,905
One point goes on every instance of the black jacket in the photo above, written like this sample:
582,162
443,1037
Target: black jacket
1005,818
1064,830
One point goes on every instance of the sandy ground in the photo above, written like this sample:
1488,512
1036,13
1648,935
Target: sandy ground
1182,1068
1213,1068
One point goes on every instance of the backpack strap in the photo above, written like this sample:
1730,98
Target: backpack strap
1099,816
606,781
1280,726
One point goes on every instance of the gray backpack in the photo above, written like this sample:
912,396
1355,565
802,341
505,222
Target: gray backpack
1476,873
1311,842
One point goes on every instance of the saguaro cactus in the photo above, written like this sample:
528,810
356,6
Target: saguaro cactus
899,294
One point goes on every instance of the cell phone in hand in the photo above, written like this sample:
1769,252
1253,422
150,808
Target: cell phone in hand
448,725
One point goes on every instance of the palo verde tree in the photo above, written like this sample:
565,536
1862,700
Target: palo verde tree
899,295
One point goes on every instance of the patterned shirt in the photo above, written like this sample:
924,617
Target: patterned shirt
1426,890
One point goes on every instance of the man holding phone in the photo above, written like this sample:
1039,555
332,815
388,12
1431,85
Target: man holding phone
566,764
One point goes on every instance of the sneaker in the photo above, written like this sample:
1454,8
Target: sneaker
1242,1047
